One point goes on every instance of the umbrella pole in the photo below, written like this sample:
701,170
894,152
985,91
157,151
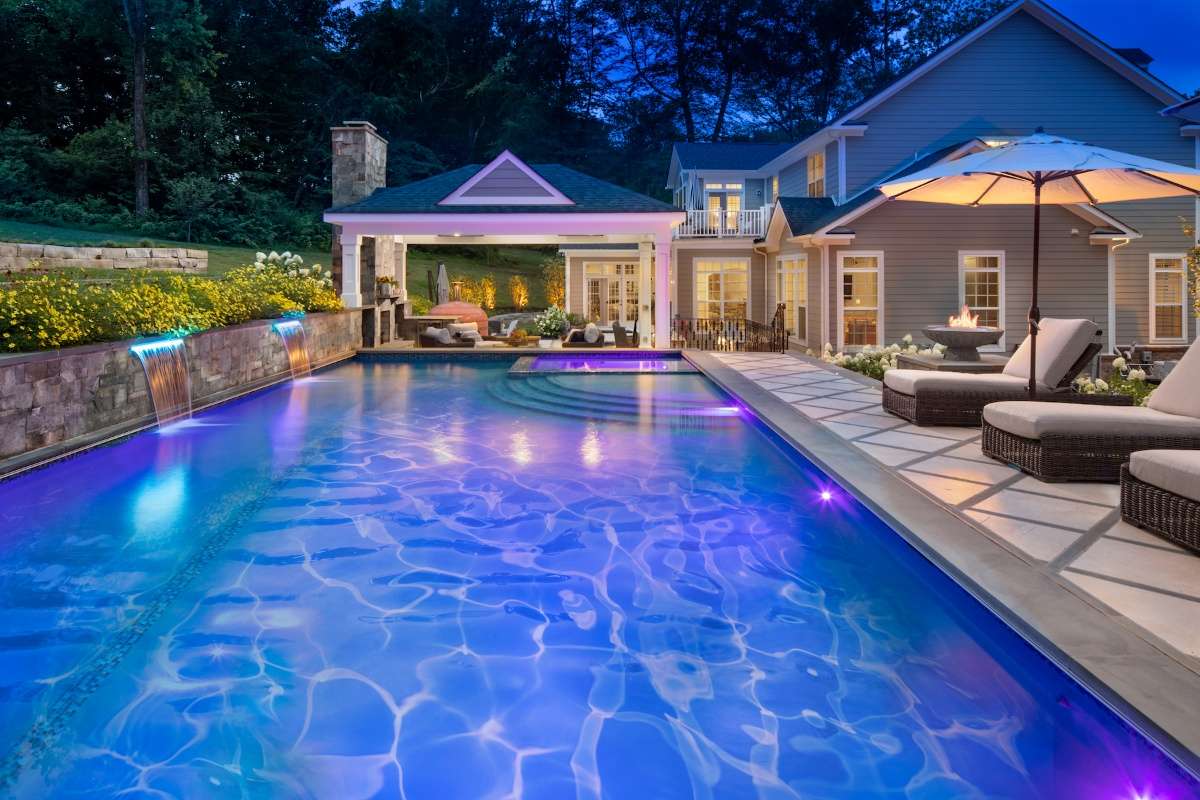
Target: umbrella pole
1035,313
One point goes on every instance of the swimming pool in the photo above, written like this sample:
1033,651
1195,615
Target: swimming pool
415,580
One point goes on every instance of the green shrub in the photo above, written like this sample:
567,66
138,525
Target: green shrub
43,311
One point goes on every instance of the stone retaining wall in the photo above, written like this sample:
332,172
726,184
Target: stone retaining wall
57,401
20,256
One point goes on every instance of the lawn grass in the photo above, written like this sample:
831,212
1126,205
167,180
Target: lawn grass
221,257
461,260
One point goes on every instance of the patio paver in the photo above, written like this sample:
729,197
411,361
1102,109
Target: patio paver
1069,529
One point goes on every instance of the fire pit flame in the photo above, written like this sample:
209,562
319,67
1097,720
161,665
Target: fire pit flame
965,319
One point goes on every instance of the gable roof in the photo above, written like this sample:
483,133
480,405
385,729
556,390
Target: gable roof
1188,110
506,179
727,155
1039,11
583,192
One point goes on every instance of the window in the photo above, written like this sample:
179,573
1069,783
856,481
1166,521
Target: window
981,286
1168,298
774,188
791,289
721,288
612,292
860,304
816,174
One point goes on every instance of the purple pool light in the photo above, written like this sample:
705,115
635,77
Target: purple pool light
608,364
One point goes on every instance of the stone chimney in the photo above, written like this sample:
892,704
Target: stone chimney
359,168
359,161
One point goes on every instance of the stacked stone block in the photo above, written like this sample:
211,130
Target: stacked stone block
18,256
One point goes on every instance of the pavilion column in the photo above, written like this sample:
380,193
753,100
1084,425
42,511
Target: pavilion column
645,252
351,279
662,292
401,270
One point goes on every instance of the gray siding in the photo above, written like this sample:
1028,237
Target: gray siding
1162,232
755,195
1017,77
506,180
920,243
831,170
793,179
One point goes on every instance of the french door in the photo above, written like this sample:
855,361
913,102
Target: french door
612,292
791,289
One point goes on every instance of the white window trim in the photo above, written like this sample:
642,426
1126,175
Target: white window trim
1182,258
696,294
880,327
1002,345
794,258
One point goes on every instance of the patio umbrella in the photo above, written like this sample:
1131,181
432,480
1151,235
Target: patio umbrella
1044,169
443,284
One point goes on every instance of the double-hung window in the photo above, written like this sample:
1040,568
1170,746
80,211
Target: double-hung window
981,286
1168,298
816,174
860,302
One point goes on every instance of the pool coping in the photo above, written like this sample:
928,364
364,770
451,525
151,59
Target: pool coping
1153,691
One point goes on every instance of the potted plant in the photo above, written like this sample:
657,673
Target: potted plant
385,286
550,325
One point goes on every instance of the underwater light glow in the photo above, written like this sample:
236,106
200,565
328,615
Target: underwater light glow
826,495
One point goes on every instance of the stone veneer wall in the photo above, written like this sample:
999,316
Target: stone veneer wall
54,402
20,256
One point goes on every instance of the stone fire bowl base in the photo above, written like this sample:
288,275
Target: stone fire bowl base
962,343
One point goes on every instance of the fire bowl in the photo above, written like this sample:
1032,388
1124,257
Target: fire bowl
961,343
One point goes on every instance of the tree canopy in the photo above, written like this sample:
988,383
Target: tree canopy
238,95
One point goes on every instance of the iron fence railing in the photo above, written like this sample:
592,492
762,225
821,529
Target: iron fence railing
730,335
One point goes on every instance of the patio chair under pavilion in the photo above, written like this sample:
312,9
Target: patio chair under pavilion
1042,168
508,202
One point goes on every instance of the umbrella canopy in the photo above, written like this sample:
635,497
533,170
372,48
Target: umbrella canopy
443,284
1044,169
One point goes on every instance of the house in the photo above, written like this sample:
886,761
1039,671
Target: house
805,225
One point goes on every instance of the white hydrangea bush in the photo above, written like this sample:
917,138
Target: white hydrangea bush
293,265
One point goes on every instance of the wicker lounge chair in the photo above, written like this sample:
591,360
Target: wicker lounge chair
1071,442
1065,349
1160,492
577,337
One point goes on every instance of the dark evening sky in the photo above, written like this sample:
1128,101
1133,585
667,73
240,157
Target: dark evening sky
1169,30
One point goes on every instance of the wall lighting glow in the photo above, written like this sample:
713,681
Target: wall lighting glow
286,325
155,346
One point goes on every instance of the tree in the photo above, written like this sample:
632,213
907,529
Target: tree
136,24
190,198
554,281
518,290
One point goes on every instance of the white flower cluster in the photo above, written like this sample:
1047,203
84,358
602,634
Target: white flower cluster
1085,385
879,359
293,265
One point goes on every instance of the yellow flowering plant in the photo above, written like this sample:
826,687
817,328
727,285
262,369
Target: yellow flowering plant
47,311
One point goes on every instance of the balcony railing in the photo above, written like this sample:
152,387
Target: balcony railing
723,224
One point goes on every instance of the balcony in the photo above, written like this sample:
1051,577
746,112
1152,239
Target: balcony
700,223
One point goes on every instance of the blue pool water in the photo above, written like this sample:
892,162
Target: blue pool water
435,581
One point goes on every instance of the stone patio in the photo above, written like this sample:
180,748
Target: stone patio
1071,530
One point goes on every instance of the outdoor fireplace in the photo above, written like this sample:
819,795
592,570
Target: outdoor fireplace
963,335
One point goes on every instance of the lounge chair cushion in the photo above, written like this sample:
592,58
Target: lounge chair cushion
1060,343
1177,471
591,334
910,381
439,335
459,328
1033,420
1179,393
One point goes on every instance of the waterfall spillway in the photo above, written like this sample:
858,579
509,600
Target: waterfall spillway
296,345
165,363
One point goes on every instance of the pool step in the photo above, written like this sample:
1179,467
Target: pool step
537,395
